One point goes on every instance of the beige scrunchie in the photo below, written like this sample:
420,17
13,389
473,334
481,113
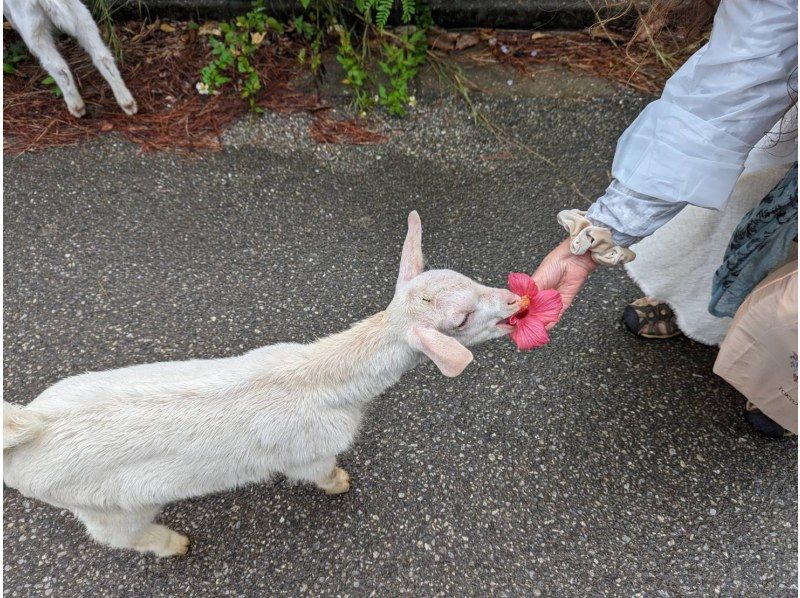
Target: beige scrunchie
595,239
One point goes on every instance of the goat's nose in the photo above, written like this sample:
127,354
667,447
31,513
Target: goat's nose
512,299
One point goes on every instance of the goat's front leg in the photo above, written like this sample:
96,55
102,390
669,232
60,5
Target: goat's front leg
323,474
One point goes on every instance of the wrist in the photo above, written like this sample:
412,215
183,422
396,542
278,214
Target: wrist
587,239
583,261
618,237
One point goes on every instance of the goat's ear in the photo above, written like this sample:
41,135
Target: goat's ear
450,356
411,261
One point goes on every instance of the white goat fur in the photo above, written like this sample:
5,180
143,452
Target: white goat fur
114,447
35,21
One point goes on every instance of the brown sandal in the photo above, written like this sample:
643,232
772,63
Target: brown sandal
651,319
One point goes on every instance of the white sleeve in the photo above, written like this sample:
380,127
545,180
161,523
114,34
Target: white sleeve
690,145
631,216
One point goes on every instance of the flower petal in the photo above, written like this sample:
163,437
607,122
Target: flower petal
546,306
529,333
532,288
518,283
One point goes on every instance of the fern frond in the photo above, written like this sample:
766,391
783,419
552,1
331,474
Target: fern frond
409,8
382,10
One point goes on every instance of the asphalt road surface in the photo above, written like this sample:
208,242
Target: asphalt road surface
597,465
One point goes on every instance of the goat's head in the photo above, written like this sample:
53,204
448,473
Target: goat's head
443,312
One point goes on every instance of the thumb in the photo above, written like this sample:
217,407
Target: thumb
548,275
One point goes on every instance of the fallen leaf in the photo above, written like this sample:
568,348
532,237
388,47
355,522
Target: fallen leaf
209,28
275,25
166,28
466,40
609,35
106,126
145,32
189,37
539,35
442,40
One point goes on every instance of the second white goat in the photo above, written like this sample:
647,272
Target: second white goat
35,20
114,447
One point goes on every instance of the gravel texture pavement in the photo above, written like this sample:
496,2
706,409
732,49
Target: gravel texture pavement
598,465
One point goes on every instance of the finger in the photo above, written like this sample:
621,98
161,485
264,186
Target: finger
538,278
547,276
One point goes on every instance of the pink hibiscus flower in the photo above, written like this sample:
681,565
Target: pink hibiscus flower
540,308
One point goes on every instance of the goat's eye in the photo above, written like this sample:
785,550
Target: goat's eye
465,320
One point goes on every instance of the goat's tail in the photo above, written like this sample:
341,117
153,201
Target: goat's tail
20,425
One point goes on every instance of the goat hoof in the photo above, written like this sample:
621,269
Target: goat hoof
179,544
77,110
175,544
162,541
339,482
129,108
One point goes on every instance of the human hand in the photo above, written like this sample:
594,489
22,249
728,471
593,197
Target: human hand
565,272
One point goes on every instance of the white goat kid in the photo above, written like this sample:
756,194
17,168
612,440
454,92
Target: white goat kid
114,447
35,21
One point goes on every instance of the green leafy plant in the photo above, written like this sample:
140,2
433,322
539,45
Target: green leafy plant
51,84
382,10
400,54
233,50
356,29
309,27
18,52
402,59
12,56
356,75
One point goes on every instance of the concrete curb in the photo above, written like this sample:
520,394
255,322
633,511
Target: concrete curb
506,14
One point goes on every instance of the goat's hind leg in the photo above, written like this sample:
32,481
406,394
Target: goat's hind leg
323,474
133,530
36,31
73,18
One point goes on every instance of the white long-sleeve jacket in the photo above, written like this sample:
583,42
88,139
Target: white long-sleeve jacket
690,145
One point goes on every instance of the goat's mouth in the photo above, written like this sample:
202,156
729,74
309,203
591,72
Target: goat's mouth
505,325
509,324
